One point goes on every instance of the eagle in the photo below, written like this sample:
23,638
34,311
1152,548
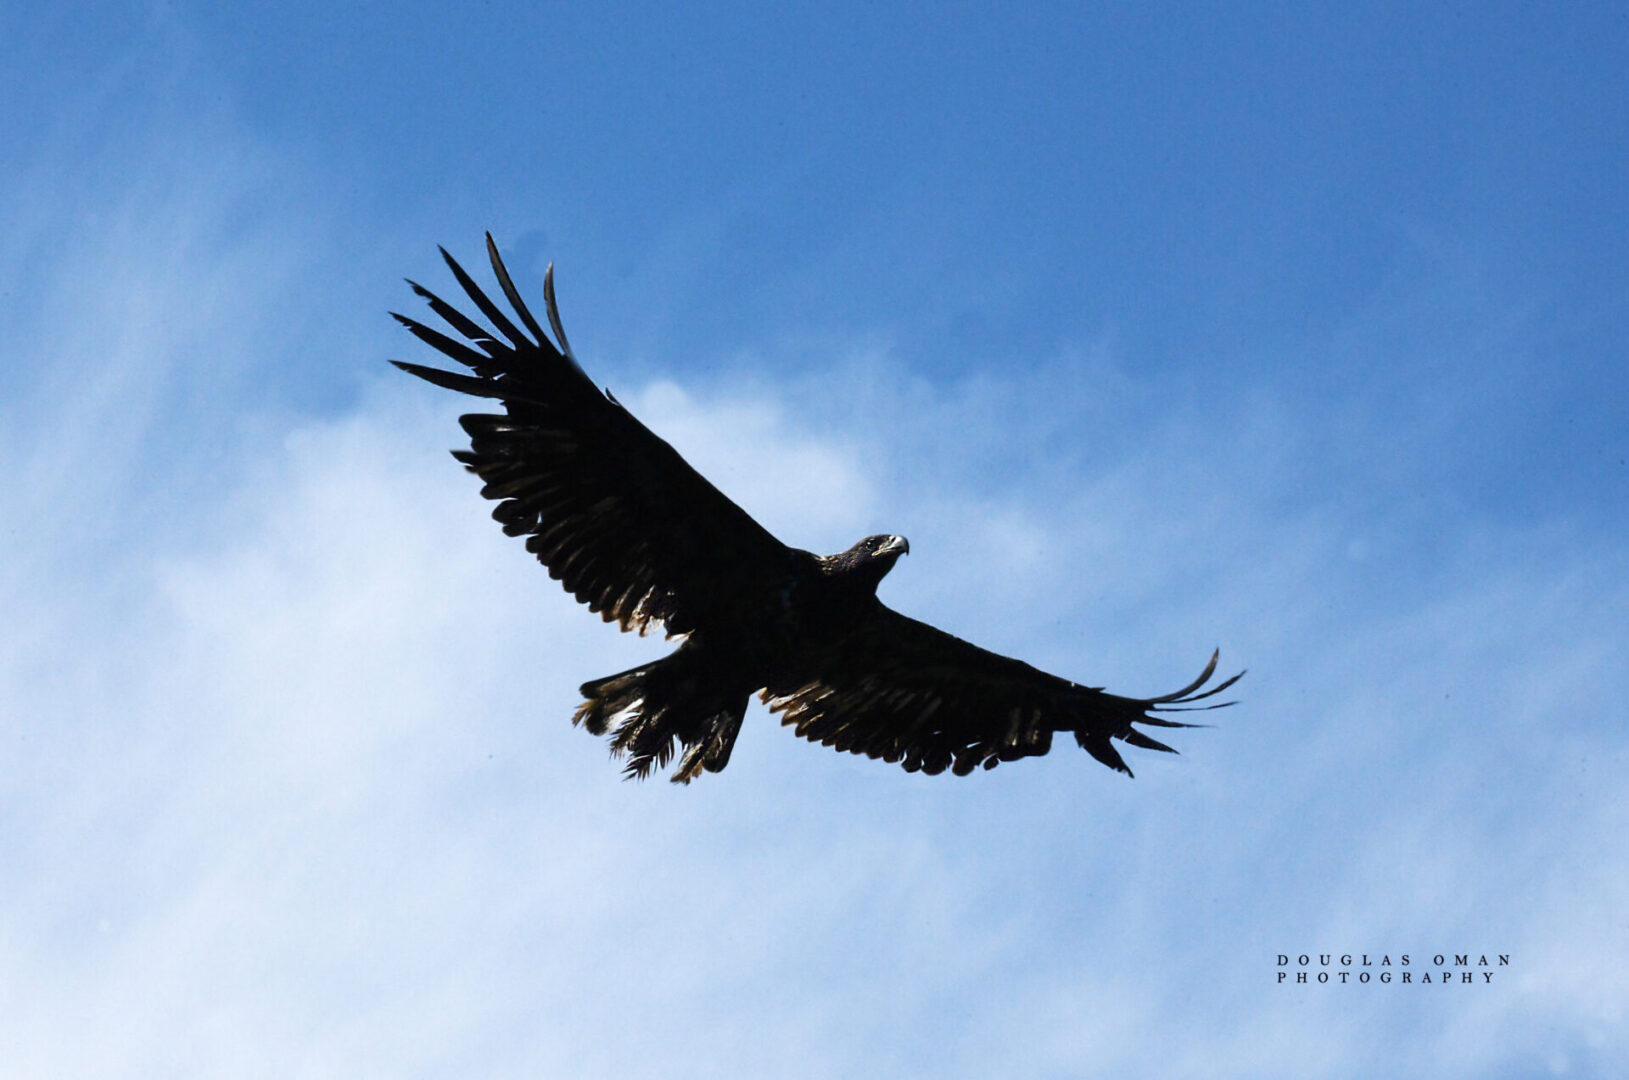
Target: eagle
630,529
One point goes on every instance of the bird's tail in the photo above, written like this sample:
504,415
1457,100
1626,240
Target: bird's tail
655,704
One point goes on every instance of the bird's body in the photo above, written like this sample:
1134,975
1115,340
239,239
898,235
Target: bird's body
631,530
700,692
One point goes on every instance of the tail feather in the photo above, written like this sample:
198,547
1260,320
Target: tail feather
712,751
605,698
658,705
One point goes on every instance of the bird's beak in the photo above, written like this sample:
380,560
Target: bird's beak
895,544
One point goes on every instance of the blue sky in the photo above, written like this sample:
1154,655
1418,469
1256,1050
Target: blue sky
1297,330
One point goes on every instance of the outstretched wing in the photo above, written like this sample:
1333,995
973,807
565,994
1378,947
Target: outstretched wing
904,691
613,511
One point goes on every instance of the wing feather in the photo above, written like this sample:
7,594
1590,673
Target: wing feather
511,292
492,311
613,511
903,691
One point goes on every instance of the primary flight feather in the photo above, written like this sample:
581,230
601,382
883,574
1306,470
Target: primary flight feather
631,530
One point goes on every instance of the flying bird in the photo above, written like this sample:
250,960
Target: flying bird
631,530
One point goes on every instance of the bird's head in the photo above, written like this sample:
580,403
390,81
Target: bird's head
870,559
